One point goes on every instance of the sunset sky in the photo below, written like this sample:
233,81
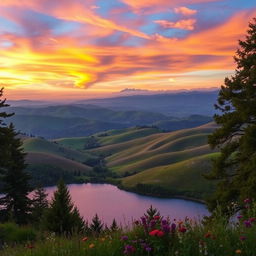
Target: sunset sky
67,49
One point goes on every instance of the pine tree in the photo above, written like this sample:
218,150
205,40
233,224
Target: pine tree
152,212
114,226
15,203
39,204
78,221
235,168
62,217
96,226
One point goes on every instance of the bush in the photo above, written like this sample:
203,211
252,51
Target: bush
12,233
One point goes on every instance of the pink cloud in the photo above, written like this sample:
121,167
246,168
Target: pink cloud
185,11
187,24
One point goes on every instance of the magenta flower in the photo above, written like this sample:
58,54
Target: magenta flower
247,223
129,249
247,200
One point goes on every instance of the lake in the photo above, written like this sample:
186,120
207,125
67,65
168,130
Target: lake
110,202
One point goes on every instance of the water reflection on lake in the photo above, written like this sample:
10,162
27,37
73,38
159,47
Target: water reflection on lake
109,202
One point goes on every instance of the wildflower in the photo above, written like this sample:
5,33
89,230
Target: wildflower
164,222
252,220
129,249
144,220
166,228
85,239
182,229
156,217
242,238
148,249
173,227
103,239
239,217
124,238
152,223
208,235
160,233
247,200
238,251
30,246
91,246
153,232
247,223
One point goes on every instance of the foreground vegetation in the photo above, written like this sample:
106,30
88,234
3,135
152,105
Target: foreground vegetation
152,234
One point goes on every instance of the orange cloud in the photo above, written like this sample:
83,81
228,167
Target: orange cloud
187,24
53,62
161,4
185,11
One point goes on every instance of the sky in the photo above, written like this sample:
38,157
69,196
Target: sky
73,49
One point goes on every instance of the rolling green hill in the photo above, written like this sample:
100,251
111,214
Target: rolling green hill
158,163
184,178
141,159
48,162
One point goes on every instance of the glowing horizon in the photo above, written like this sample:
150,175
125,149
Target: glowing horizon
86,48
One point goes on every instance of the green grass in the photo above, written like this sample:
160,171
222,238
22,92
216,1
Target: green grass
73,143
44,146
39,158
127,135
182,178
214,236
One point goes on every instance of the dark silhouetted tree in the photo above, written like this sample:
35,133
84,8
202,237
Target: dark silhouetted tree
15,204
235,168
39,204
114,226
96,226
62,217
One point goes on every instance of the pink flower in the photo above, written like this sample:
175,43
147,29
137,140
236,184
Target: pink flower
153,232
182,229
160,233
247,200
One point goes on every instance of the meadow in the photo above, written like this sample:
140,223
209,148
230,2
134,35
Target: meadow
152,234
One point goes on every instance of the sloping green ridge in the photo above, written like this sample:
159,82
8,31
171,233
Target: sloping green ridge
45,146
39,158
182,178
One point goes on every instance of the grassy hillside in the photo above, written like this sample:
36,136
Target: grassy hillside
36,158
44,146
152,162
48,162
141,159
179,179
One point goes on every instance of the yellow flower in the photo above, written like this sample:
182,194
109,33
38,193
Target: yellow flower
238,251
91,246
103,239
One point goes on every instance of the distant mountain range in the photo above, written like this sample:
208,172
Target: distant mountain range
173,104
83,120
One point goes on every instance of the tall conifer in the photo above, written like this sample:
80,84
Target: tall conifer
235,169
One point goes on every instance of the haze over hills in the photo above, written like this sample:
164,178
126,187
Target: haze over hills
168,112
76,121
174,104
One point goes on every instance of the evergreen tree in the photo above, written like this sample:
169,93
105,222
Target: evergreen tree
62,217
96,226
78,221
152,212
114,226
15,203
39,204
235,168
